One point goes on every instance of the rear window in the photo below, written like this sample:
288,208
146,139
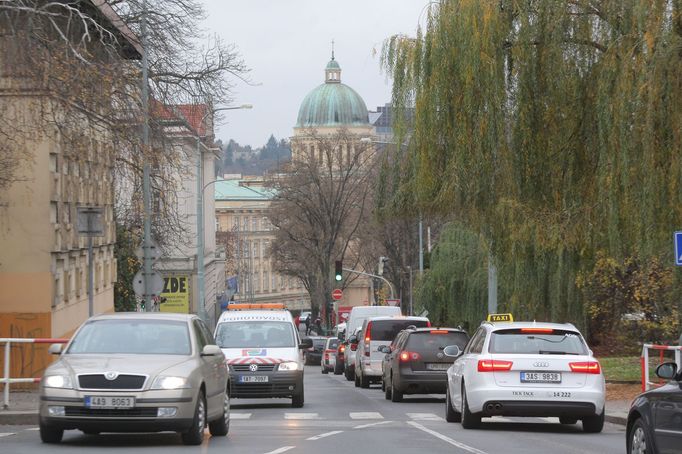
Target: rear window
333,344
556,342
319,342
426,340
387,330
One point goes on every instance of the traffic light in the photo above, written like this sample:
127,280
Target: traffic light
338,273
380,268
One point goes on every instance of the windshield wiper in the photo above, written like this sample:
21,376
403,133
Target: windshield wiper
553,352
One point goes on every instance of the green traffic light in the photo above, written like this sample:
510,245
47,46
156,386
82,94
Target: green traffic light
339,277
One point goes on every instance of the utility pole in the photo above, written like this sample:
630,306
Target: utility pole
421,247
146,177
492,285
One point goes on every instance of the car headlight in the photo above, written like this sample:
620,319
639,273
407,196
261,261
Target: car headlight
289,365
170,383
57,381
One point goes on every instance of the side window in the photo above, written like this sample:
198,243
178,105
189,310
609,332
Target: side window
478,346
402,341
208,337
199,335
474,341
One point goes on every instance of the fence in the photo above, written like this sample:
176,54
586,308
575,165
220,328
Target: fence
677,349
6,380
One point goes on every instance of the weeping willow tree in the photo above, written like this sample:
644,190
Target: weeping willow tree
550,128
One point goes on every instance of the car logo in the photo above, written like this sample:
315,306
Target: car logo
111,375
440,355
540,364
253,367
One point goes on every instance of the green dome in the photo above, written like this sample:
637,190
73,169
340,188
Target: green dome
333,64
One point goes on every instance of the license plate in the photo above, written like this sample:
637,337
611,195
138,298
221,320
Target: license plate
253,379
437,366
109,402
540,377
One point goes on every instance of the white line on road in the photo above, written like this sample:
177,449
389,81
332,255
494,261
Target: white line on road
281,450
234,415
301,416
6,434
446,439
424,417
34,428
324,435
365,415
364,426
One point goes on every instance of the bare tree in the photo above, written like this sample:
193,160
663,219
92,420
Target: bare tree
322,200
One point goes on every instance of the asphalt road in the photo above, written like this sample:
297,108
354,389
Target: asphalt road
339,418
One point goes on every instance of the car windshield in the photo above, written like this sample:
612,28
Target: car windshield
132,336
553,342
434,340
387,330
255,334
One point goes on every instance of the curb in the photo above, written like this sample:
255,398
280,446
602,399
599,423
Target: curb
614,419
18,418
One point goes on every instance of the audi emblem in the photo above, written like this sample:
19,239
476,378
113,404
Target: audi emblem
111,375
440,355
540,364
253,367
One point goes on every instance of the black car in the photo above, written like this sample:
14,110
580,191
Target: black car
415,362
313,355
655,418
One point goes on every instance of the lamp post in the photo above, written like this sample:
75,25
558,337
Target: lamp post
200,211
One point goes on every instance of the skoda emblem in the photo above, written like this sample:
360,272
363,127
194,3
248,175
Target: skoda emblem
111,375
541,364
253,367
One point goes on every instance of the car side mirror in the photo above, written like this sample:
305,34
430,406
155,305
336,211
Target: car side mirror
305,343
452,351
211,350
667,371
384,349
55,349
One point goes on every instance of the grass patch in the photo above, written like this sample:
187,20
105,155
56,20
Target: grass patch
625,368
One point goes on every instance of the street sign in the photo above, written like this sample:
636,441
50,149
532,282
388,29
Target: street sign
90,221
156,286
678,248
154,251
337,294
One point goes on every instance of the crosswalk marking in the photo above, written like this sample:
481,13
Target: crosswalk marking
301,416
240,415
424,417
6,434
325,435
364,426
281,450
365,415
33,428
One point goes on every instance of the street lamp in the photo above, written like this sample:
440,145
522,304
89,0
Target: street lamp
200,211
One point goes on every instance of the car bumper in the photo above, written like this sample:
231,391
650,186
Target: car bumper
371,368
535,402
279,384
422,382
61,408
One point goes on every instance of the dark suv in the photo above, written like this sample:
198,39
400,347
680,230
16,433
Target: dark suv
415,362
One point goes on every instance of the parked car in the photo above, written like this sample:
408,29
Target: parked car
137,372
655,419
328,362
377,332
525,369
415,363
313,355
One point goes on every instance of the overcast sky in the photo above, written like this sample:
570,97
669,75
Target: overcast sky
287,44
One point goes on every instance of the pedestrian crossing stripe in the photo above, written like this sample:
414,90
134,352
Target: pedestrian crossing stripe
301,416
234,415
6,434
424,417
365,415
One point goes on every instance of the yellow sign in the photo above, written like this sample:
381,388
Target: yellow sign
500,318
176,292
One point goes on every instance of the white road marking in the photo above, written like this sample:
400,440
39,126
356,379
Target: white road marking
6,434
301,416
446,439
281,450
240,415
363,426
365,415
325,435
34,428
424,417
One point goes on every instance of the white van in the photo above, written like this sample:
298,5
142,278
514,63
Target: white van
262,349
357,317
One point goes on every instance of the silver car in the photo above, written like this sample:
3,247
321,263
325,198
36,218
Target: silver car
137,372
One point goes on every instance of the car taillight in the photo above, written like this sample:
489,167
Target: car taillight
438,331
537,330
586,367
410,356
368,332
353,347
326,355
342,348
428,324
494,365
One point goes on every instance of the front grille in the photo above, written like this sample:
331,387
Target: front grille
140,412
258,388
245,367
98,381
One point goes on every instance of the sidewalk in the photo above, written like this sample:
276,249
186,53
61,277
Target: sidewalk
23,409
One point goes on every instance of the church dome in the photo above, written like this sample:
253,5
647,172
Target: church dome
332,103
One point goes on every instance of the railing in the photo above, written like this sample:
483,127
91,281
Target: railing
645,360
6,380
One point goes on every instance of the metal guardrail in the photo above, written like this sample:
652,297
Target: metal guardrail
6,380
645,360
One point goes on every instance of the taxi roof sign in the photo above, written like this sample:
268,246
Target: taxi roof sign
500,318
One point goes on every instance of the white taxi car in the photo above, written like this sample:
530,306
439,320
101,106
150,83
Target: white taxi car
525,369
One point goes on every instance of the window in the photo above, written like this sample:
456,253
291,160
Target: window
254,224
265,223
475,345
235,223
273,283
552,342
245,226
54,212
67,213
53,162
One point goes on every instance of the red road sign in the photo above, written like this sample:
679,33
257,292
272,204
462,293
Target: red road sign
337,294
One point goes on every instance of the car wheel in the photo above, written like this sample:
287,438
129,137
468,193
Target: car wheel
638,440
347,374
594,424
364,381
468,419
298,399
396,396
337,369
450,414
221,426
50,434
324,369
357,380
567,420
195,434
387,391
